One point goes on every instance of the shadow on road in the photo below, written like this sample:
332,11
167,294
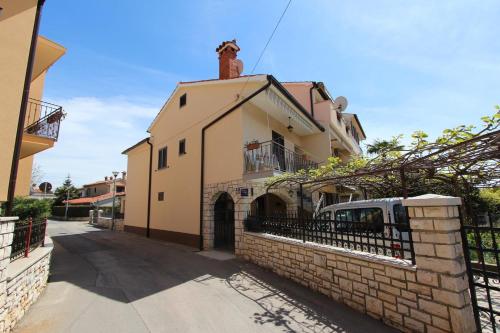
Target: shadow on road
129,268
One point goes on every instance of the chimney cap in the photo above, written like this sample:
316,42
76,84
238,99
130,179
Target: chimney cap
227,43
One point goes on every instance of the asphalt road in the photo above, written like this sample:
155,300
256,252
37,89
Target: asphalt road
104,281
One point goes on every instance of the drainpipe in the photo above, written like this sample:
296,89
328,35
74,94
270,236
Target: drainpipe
22,112
148,218
202,176
314,85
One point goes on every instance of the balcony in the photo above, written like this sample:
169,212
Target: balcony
266,159
41,129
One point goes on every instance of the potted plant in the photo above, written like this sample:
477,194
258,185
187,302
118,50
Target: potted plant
54,117
253,145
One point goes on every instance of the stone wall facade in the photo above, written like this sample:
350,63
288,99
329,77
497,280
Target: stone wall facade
430,296
242,206
24,289
105,222
23,280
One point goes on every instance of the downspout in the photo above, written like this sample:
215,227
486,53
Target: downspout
314,85
202,176
148,219
22,112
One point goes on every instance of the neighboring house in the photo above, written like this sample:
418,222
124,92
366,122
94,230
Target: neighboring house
101,201
100,193
103,186
28,125
215,142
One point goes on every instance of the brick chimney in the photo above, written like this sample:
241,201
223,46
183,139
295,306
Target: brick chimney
229,66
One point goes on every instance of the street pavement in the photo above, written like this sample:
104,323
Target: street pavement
104,281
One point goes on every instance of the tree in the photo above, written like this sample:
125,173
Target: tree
66,191
37,174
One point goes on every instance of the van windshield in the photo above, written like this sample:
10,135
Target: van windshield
400,217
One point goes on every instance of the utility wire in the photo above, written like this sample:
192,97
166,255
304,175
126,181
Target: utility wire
248,78
267,44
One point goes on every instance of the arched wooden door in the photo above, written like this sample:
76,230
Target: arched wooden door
224,222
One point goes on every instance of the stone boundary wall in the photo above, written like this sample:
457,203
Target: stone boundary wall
106,222
24,289
23,280
431,296
95,218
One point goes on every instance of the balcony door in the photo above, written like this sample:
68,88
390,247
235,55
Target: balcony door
279,151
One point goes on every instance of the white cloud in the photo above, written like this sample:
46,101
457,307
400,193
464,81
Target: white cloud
93,135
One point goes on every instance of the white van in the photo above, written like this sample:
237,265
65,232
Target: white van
385,218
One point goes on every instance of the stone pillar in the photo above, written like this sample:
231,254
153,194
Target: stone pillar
6,236
443,294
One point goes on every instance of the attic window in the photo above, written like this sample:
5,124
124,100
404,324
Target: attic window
183,100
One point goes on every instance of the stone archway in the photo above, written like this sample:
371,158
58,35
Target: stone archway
268,204
224,222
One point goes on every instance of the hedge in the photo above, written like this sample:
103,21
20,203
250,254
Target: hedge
73,211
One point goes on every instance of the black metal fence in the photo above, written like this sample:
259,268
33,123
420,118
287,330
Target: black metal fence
43,119
366,234
28,235
481,239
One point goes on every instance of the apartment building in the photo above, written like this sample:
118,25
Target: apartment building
215,142
28,125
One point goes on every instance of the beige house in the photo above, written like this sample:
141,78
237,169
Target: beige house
215,142
103,187
28,125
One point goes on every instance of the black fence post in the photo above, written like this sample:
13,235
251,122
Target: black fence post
301,214
28,237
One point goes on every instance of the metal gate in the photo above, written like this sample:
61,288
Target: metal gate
224,222
480,239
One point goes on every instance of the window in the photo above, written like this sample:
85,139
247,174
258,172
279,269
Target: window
182,100
400,218
360,219
161,196
162,158
182,147
120,189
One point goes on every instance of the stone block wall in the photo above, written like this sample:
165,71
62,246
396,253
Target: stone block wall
105,222
23,280
24,290
241,206
430,296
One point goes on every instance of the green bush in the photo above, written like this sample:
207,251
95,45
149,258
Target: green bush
28,207
488,243
73,211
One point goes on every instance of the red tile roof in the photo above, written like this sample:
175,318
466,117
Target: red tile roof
90,200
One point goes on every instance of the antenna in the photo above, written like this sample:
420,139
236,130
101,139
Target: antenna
340,103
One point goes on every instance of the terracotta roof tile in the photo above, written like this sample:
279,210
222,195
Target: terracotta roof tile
89,200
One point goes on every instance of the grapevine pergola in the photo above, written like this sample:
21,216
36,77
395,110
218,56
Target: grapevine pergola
474,162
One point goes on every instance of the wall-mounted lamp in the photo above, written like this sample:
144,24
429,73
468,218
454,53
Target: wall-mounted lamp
290,127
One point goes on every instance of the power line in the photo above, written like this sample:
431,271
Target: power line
246,81
271,36
267,44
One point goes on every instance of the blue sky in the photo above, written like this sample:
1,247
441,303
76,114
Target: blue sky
402,65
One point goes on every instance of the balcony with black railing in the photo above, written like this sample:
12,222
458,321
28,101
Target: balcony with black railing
269,158
43,119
